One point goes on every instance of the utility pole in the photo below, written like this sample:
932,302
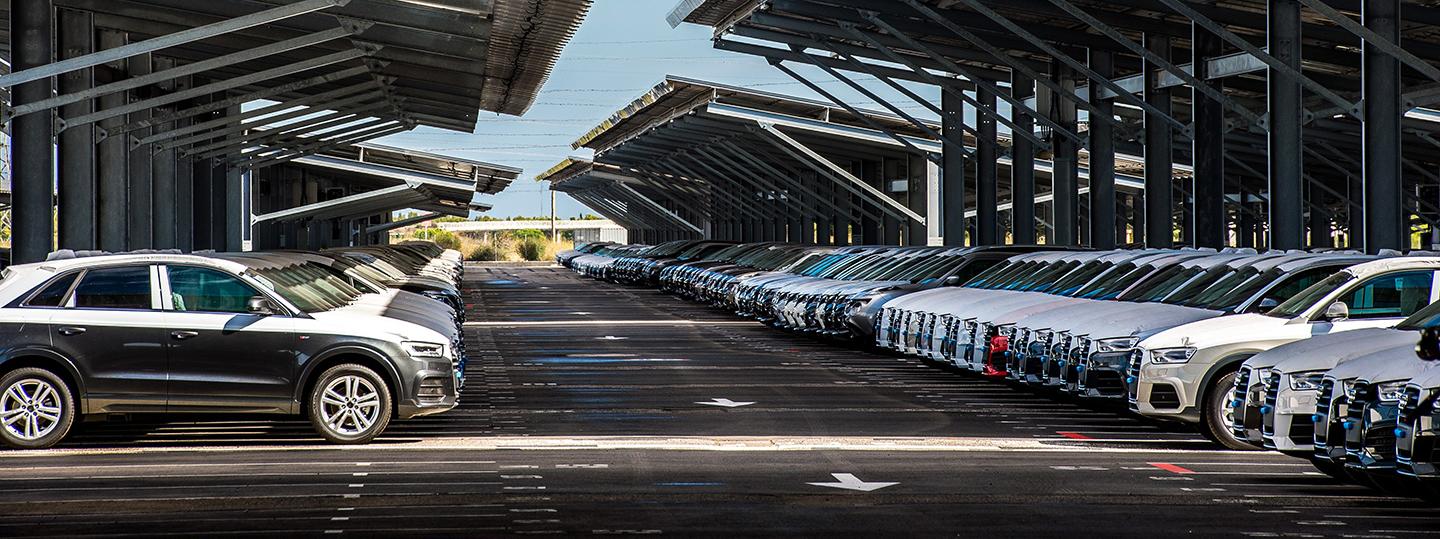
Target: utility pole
553,237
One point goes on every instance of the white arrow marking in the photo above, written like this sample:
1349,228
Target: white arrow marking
725,403
850,482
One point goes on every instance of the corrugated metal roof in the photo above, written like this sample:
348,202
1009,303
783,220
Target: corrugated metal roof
525,42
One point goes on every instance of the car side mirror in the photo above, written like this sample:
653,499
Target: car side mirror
953,280
1337,311
261,305
1268,303
1428,348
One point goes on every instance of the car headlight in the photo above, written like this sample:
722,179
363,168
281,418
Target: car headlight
424,349
1007,331
1171,356
1390,391
1116,344
1307,381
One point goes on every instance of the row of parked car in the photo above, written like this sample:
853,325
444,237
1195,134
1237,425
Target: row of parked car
349,338
1313,354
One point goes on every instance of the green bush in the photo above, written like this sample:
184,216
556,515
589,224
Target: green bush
486,252
532,249
443,238
528,234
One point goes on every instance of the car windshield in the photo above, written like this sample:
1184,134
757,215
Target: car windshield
1308,297
1199,284
1074,280
1427,317
1234,282
1161,283
1114,277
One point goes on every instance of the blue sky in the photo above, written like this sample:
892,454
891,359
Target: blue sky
624,48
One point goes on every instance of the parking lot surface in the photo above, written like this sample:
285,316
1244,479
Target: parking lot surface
595,409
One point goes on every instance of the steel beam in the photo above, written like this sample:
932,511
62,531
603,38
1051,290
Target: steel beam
1159,155
268,16
266,111
382,127
843,104
951,67
275,138
826,167
1385,223
251,130
155,77
1208,147
264,93
1286,161
32,162
1070,62
220,86
1102,160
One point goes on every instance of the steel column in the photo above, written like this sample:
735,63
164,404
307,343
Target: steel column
1022,167
163,165
139,206
76,147
1385,224
923,195
1208,115
986,172
32,163
952,208
1286,161
111,155
1065,173
1159,154
1102,159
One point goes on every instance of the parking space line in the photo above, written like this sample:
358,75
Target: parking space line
1171,468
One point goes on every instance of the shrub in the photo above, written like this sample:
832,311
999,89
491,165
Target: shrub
528,234
486,252
443,238
533,250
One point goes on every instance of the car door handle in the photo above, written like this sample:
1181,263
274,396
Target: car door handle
71,330
182,335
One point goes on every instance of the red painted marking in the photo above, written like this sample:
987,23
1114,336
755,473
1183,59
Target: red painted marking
1171,468
1074,435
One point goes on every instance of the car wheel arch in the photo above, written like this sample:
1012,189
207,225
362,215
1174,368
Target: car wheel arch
358,355
1225,366
50,361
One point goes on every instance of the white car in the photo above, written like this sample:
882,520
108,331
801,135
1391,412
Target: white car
1187,373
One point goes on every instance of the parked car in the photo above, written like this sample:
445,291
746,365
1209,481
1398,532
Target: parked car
1187,373
81,337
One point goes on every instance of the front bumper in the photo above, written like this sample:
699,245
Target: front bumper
1102,375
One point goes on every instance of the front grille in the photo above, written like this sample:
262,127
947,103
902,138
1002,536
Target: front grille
1365,396
1237,398
1271,386
1132,374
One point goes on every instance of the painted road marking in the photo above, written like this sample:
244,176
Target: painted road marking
1074,435
725,403
850,482
1171,468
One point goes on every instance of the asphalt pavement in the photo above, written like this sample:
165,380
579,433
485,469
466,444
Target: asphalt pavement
596,409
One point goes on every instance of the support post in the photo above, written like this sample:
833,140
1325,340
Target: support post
986,172
1286,162
1065,174
1102,158
1208,189
76,148
140,207
110,157
1022,168
1159,159
952,208
33,167
1385,218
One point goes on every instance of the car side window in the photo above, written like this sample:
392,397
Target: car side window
53,295
1396,295
114,288
195,289
1294,285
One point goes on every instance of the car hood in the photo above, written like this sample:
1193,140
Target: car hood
1383,365
1324,352
1217,331
353,322
1107,319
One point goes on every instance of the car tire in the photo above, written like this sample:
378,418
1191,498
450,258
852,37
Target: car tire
349,404
37,409
1215,414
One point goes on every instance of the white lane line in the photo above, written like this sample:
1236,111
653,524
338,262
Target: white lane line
563,323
